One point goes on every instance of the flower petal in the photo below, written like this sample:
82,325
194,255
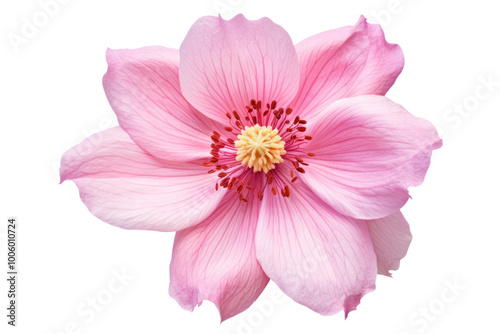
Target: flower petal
225,64
368,151
319,258
142,86
391,238
215,260
129,188
345,62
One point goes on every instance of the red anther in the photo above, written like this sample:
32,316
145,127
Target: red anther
247,118
299,159
296,120
228,115
291,172
283,193
302,121
301,129
308,138
266,112
236,115
214,160
228,128
295,164
224,182
216,134
211,171
216,186
252,102
230,141
311,154
254,119
274,191
238,124
215,138
287,191
273,105
233,180
289,111
240,188
300,170
219,167
270,180
294,179
259,104
206,164
222,174
287,121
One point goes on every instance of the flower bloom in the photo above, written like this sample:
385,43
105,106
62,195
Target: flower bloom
270,160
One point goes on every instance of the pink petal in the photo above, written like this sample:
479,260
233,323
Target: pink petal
345,62
369,150
215,260
225,64
142,86
129,188
319,258
391,238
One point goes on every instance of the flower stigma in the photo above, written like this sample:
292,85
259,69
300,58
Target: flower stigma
260,147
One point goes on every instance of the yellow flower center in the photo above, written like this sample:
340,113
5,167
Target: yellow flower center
260,148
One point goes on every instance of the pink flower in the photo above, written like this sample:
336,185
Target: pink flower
271,161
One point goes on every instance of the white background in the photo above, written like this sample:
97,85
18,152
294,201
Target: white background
52,98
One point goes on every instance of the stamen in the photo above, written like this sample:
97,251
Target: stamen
266,150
